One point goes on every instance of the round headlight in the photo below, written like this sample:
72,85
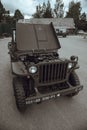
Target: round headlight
70,65
33,69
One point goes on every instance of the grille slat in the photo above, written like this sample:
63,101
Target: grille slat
52,72
61,72
48,72
45,75
58,71
55,71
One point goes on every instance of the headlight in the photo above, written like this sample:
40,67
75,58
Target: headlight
33,69
70,66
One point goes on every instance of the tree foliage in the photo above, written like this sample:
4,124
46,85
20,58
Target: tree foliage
82,22
18,15
47,10
38,13
82,25
83,16
74,11
2,11
58,9
8,22
43,11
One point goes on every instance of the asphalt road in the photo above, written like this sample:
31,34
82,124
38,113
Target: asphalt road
56,114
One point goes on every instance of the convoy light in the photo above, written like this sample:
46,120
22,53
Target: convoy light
70,65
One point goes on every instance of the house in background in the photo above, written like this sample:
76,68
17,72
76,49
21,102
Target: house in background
66,24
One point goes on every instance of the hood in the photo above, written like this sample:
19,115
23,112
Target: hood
36,37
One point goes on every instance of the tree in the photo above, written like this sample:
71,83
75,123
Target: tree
6,21
2,11
44,11
47,10
82,22
74,11
18,15
83,16
58,9
39,12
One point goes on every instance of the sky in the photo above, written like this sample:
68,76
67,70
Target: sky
28,7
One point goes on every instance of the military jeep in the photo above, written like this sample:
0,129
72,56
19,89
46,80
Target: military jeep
39,73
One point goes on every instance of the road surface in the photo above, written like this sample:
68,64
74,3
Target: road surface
56,114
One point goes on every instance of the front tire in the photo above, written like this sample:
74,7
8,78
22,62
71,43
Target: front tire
19,93
74,81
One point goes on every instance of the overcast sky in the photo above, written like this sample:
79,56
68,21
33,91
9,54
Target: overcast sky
28,7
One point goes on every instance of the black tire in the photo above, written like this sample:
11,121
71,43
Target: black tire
19,93
74,81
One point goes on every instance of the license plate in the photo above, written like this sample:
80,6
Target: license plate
42,99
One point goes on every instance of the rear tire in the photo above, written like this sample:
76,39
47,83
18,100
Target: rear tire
19,93
74,81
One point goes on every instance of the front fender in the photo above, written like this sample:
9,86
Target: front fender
18,68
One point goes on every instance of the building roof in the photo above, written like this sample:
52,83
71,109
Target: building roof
57,22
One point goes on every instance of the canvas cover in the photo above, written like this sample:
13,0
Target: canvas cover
36,37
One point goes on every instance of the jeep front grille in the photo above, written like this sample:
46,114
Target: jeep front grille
52,72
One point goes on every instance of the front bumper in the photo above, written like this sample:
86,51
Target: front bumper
42,97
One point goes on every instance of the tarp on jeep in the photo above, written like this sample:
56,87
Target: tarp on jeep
36,37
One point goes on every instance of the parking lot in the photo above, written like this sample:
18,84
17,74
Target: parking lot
57,114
